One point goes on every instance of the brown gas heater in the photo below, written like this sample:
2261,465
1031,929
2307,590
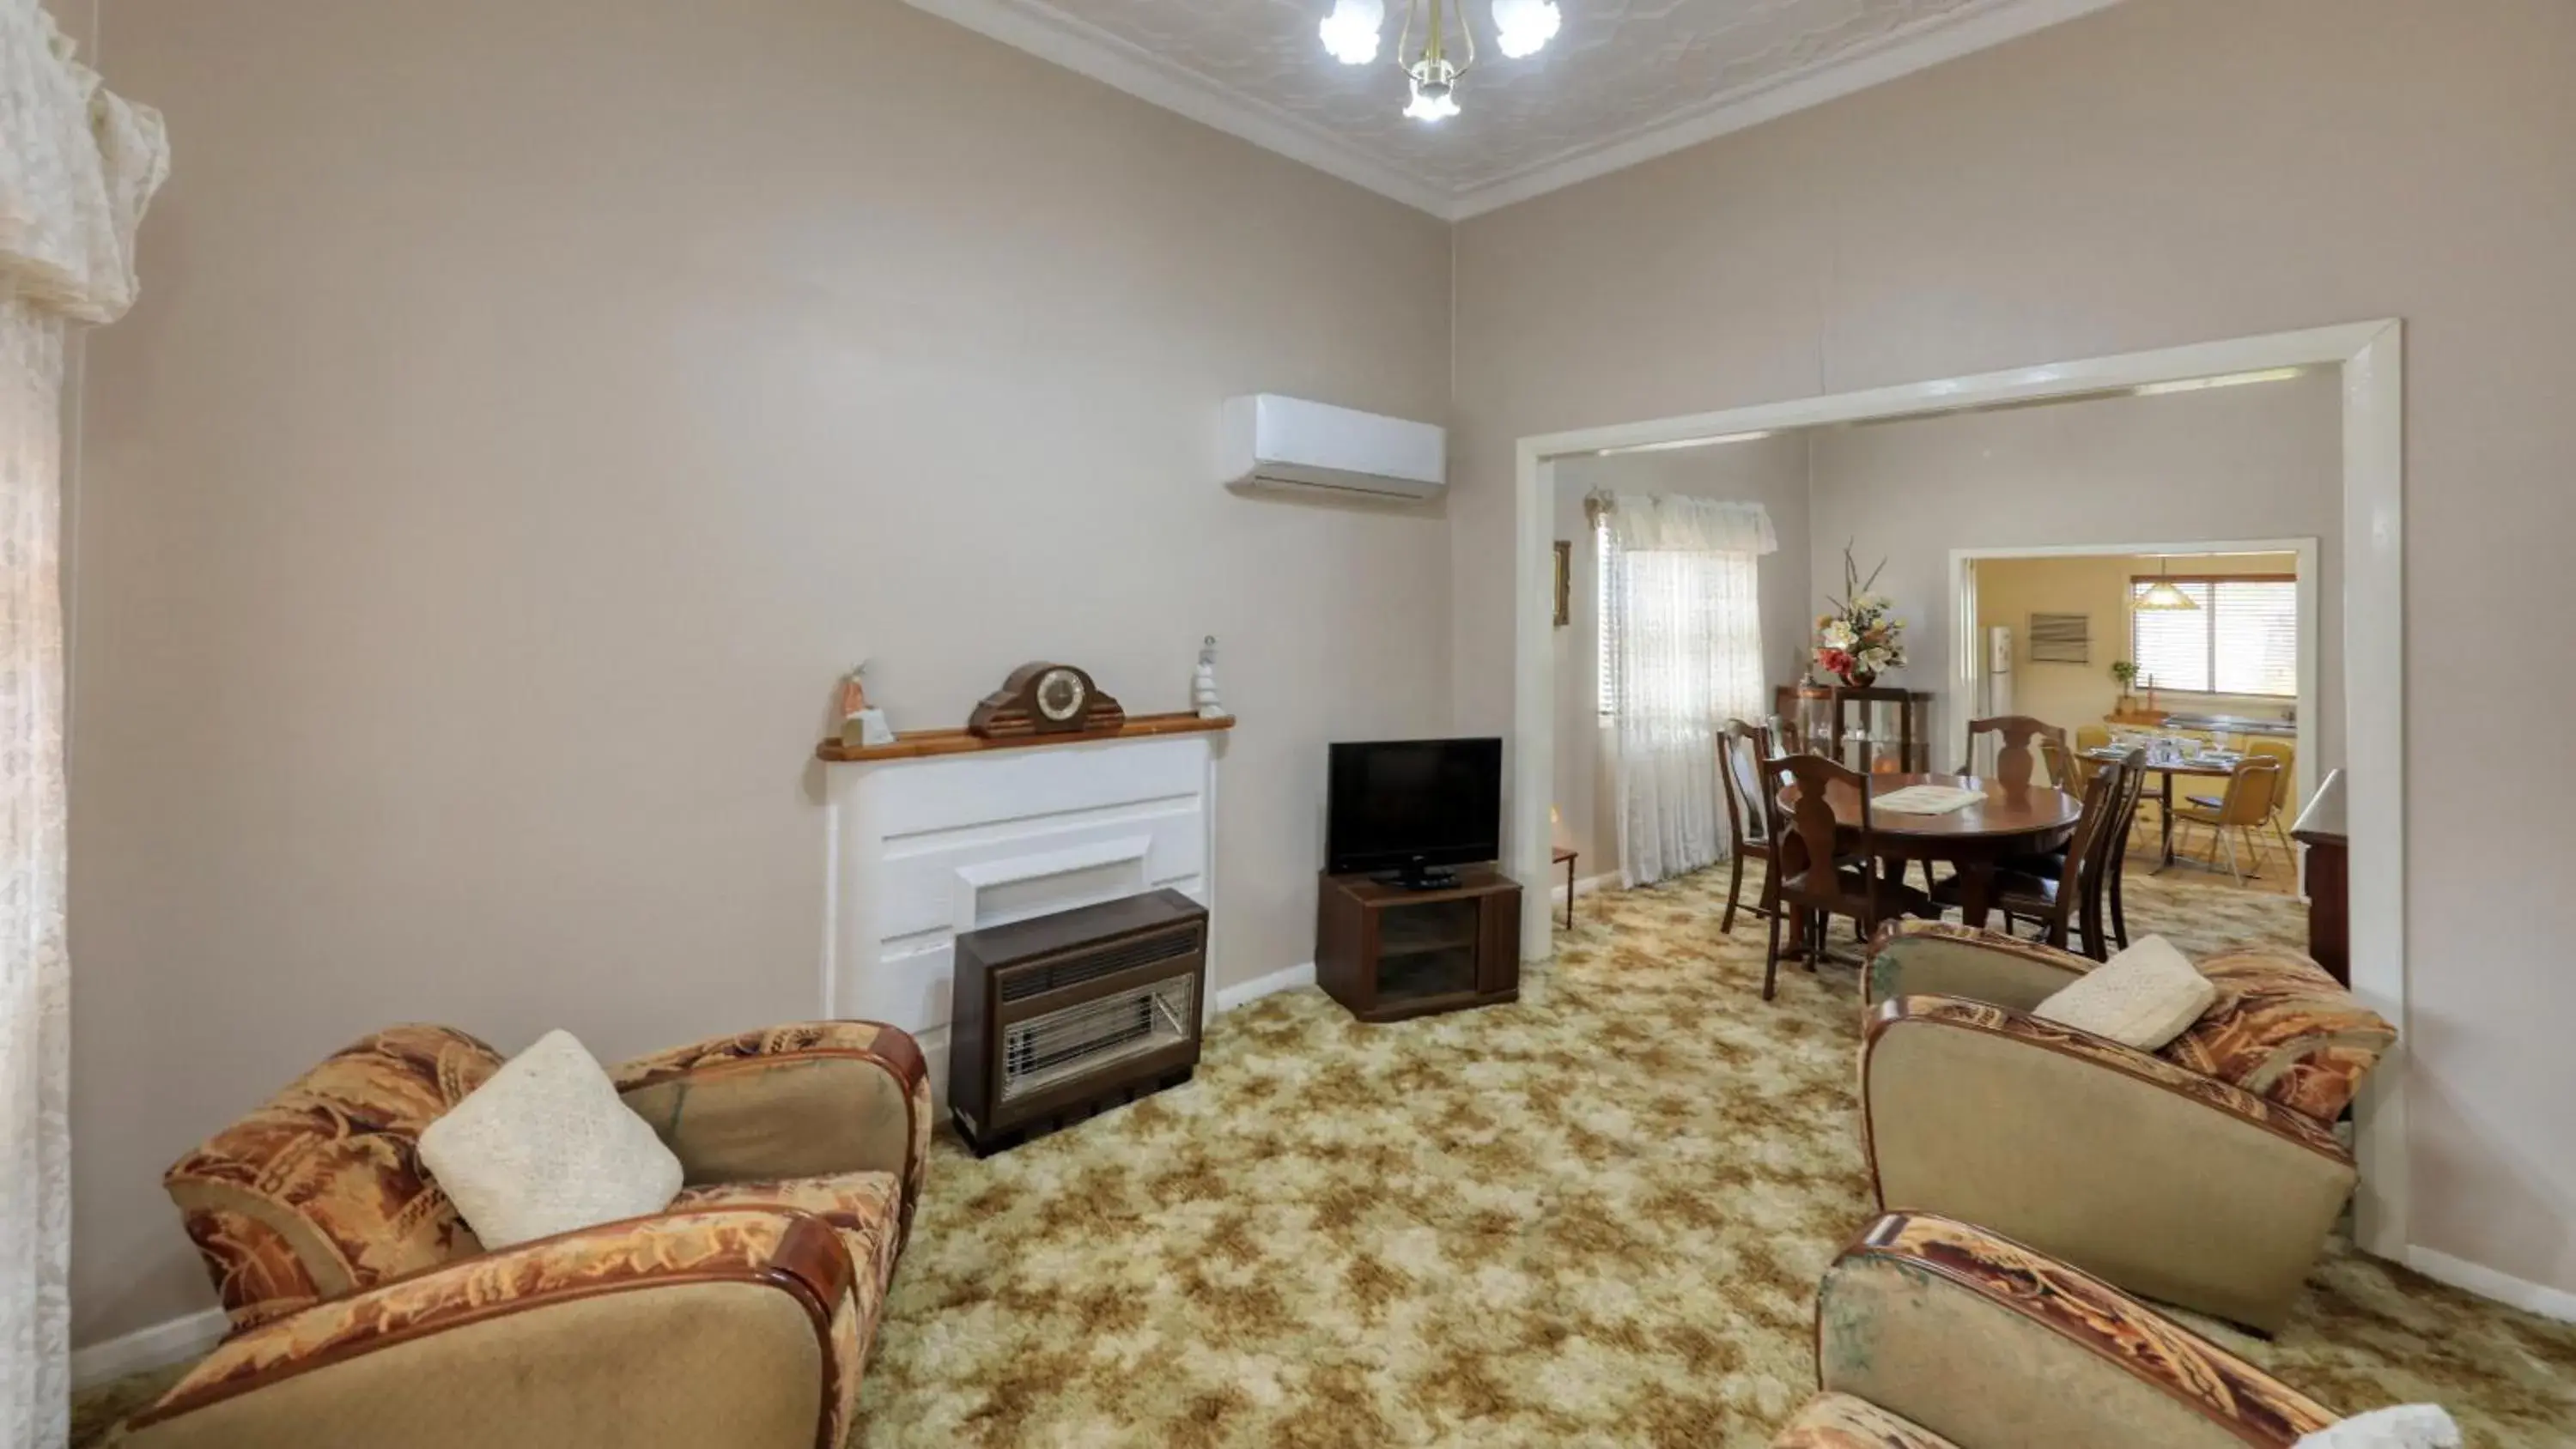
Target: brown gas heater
1067,1015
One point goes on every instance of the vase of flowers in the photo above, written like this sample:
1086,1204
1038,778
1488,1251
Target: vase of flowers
1862,638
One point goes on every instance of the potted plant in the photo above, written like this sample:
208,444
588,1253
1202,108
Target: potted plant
2126,672
1862,637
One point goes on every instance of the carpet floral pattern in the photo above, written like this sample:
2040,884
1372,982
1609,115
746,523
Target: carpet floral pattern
1595,1217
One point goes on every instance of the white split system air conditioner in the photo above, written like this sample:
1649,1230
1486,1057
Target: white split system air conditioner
1285,442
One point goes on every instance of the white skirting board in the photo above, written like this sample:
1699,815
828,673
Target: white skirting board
1590,885
1247,992
2486,1282
172,1341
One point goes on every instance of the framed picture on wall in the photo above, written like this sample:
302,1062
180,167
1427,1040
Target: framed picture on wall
1564,582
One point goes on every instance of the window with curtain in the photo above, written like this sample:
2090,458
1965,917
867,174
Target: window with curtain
1681,652
1607,581
2243,639
1738,634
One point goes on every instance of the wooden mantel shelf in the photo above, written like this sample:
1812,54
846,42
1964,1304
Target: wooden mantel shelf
922,744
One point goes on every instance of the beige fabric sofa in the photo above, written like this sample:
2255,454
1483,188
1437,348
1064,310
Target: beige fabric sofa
2207,1176
1932,1334
365,1312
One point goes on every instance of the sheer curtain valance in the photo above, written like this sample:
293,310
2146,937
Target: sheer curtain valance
77,166
1682,523
1681,637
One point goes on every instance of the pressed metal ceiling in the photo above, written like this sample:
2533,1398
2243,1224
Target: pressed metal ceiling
1623,81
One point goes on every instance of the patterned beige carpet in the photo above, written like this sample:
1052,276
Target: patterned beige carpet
1593,1218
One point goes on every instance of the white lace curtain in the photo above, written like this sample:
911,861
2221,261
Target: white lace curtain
1683,639
77,166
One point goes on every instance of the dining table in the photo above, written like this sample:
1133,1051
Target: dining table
2012,820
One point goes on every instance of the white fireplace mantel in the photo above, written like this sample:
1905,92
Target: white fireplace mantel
920,848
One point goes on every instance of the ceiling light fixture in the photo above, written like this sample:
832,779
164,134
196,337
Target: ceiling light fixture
1437,45
1522,28
2164,596
1351,31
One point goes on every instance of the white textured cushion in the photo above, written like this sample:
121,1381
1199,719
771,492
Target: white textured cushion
2413,1426
545,1147
2144,997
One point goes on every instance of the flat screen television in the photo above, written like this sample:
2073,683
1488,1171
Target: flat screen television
1413,806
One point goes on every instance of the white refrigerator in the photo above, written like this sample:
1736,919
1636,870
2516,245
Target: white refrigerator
1994,689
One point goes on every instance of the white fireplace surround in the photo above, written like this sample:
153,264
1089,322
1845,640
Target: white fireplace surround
919,850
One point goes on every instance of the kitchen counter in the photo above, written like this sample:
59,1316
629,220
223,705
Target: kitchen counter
2206,723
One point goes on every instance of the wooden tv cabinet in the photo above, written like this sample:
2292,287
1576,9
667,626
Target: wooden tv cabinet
1388,953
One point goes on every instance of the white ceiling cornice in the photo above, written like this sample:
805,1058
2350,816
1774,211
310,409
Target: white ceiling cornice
1087,49
1903,52
1044,28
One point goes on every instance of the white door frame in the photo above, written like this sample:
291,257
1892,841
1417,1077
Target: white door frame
1959,698
2370,357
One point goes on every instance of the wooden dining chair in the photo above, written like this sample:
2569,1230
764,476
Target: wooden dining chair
1741,749
2115,851
2016,761
1820,869
2252,787
2016,764
2056,903
2067,770
2072,773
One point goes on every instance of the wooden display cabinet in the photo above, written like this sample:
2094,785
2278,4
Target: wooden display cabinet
1874,731
1388,953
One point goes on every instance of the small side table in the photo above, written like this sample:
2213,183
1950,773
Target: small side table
1566,858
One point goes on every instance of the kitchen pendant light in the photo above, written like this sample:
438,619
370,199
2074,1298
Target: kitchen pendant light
2164,596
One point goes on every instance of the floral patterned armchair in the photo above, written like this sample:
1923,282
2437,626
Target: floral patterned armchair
1932,1334
364,1310
2206,1175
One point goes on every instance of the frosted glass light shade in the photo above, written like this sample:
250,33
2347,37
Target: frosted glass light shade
2164,597
1352,31
1524,27
1430,106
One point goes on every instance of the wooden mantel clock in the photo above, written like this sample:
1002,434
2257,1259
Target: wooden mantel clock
1045,699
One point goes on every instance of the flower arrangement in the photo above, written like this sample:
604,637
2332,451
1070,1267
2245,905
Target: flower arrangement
1861,638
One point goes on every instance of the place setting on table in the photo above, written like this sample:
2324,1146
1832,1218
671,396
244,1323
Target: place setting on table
2169,756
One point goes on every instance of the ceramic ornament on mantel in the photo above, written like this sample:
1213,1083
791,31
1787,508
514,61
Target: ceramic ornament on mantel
862,724
1203,684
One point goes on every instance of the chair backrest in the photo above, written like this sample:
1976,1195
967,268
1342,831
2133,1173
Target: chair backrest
2267,747
2014,762
2092,737
2063,770
2251,788
320,1190
1741,749
1810,822
2133,788
2103,826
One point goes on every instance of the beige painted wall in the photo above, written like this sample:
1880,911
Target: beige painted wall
534,407
2162,172
1769,471
2256,462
